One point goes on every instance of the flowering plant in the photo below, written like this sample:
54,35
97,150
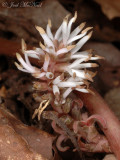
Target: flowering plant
64,69
63,66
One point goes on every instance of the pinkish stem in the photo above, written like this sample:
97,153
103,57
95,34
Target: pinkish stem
92,119
56,128
96,105
59,141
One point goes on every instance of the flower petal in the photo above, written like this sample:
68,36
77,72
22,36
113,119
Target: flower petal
45,36
46,62
48,30
81,43
67,92
25,65
72,20
77,30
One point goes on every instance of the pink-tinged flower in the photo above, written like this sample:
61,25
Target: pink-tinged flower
63,65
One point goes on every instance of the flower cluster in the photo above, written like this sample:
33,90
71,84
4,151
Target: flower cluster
63,65
64,69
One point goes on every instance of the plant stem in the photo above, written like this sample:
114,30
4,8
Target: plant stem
96,105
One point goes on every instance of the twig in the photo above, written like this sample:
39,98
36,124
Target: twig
70,134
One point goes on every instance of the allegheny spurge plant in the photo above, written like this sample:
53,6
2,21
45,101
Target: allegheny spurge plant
64,69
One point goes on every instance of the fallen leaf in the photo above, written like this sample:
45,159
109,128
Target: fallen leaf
22,142
3,91
110,8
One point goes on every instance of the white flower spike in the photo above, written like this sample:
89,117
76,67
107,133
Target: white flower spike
63,65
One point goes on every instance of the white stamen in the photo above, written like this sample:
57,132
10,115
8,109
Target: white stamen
67,92
64,31
79,36
27,60
49,50
32,54
86,65
45,36
82,90
61,51
83,54
81,43
58,32
48,30
40,75
26,66
57,80
69,84
77,62
20,68
96,57
52,50
72,20
79,73
60,38
71,79
75,38
77,30
39,51
46,62
56,89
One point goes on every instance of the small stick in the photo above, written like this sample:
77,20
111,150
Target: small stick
70,134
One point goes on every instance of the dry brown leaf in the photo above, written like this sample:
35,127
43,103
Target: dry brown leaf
21,142
111,8
3,91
